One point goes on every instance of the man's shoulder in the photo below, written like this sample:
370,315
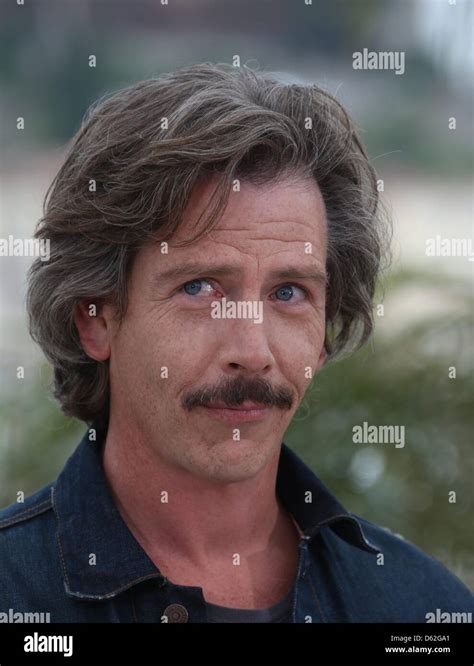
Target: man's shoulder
27,512
409,566
385,539
30,559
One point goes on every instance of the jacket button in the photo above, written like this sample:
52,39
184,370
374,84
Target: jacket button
176,613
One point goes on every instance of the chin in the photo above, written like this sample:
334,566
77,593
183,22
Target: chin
231,461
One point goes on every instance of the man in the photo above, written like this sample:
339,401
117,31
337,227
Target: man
215,239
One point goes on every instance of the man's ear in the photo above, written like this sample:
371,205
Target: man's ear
94,329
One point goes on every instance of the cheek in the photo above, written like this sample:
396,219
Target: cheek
298,349
170,349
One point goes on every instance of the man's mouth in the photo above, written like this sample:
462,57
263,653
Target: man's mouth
245,406
246,412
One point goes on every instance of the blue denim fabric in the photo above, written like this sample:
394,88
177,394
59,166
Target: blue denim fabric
46,542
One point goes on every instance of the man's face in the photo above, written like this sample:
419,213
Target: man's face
171,355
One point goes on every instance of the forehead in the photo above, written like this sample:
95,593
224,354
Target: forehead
286,211
263,228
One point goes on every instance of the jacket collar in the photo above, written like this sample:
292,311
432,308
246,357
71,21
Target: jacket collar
312,505
89,524
99,555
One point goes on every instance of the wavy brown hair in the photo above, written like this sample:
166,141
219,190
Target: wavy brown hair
128,177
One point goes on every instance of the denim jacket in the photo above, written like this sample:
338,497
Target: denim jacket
66,551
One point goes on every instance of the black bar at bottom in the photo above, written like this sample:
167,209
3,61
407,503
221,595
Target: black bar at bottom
292,644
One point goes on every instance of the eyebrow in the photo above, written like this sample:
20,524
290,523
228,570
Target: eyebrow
193,270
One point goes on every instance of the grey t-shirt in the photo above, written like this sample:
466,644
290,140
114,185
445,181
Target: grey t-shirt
279,612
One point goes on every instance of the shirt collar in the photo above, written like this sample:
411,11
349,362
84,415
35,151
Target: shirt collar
99,555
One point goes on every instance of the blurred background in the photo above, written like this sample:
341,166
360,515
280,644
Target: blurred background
403,376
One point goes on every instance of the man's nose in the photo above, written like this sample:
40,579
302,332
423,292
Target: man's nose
245,348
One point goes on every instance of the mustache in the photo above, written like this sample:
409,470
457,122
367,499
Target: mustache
236,391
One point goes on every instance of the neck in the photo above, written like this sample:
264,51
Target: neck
173,512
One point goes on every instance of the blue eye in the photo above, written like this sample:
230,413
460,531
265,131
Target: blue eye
284,293
199,286
287,292
192,288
